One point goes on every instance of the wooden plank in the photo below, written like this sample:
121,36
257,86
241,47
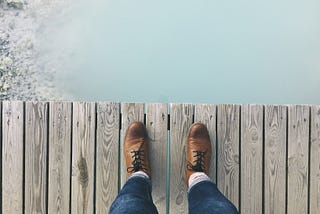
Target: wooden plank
157,126
206,114
83,146
180,121
251,158
228,120
315,160
12,157
298,143
131,112
108,126
59,157
275,159
36,157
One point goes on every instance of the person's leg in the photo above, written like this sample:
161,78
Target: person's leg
203,195
135,196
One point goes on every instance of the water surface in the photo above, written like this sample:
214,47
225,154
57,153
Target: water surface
243,51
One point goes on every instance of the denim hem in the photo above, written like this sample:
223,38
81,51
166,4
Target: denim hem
141,178
197,184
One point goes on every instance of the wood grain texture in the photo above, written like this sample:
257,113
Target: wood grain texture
36,133
298,143
131,112
251,158
180,121
12,156
108,118
275,159
206,114
228,120
83,146
46,138
59,157
157,126
315,160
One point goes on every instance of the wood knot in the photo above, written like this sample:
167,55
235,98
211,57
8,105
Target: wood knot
179,198
236,158
163,116
254,136
83,172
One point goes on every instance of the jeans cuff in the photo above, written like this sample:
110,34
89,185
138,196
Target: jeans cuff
198,183
141,177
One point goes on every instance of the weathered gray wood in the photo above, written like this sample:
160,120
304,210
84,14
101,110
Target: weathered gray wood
59,128
228,120
83,144
108,118
275,159
251,158
12,154
315,160
59,157
206,114
36,157
298,143
131,112
180,122
157,126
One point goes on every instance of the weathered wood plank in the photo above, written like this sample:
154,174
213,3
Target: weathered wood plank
58,125
275,159
228,120
298,143
131,112
12,157
108,119
206,114
315,160
157,126
59,157
251,158
36,157
83,144
180,122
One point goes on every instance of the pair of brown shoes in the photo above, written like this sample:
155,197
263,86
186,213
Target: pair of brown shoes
136,149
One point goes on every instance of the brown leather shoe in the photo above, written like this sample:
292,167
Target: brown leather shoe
135,149
198,150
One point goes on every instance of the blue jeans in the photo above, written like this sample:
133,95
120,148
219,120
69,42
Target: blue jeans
203,197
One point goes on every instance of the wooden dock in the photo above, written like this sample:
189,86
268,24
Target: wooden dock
66,157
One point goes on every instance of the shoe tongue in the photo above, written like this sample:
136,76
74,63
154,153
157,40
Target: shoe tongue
197,168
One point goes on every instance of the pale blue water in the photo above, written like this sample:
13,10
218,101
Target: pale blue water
244,51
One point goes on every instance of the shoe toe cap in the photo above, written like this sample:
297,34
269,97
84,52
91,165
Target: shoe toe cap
198,130
136,129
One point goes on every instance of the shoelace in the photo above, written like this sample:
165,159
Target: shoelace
199,163
137,163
